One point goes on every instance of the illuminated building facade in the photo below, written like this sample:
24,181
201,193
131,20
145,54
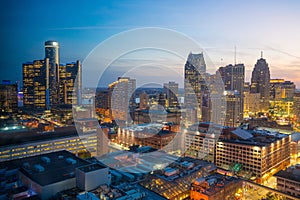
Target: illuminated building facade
153,135
62,139
251,104
296,107
46,83
45,175
171,91
295,146
173,182
121,98
258,154
194,85
281,109
70,87
52,56
274,83
216,187
201,140
288,180
144,101
35,84
260,82
234,114
233,77
8,97
281,90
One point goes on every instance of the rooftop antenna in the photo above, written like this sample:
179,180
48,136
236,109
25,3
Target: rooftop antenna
261,54
234,55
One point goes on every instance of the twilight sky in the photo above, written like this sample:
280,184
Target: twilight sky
270,26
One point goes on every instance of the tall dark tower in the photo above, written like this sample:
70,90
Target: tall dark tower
52,63
194,85
260,82
233,77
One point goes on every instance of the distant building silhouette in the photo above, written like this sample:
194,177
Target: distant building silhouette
8,97
260,82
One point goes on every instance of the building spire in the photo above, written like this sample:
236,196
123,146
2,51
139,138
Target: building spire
234,55
261,54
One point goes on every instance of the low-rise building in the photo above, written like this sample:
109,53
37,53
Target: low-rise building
173,181
50,173
216,187
254,153
201,139
295,146
154,135
288,180
29,143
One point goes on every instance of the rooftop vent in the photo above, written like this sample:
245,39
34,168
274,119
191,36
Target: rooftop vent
71,161
39,168
26,165
45,159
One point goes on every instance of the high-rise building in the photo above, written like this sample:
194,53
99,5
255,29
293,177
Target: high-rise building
233,77
102,98
122,99
194,84
8,97
251,102
35,86
143,101
274,83
285,91
69,86
296,106
234,107
52,53
162,100
47,83
171,91
260,82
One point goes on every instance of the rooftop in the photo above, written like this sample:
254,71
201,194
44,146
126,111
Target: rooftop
47,168
91,167
291,173
259,137
212,184
175,179
26,136
152,128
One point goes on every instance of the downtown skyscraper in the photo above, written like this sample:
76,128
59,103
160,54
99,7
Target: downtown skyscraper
171,91
233,77
121,99
194,86
260,82
47,83
52,73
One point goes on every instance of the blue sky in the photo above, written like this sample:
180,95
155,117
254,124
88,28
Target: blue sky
218,26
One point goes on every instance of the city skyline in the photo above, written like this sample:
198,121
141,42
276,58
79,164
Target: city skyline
248,26
150,100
